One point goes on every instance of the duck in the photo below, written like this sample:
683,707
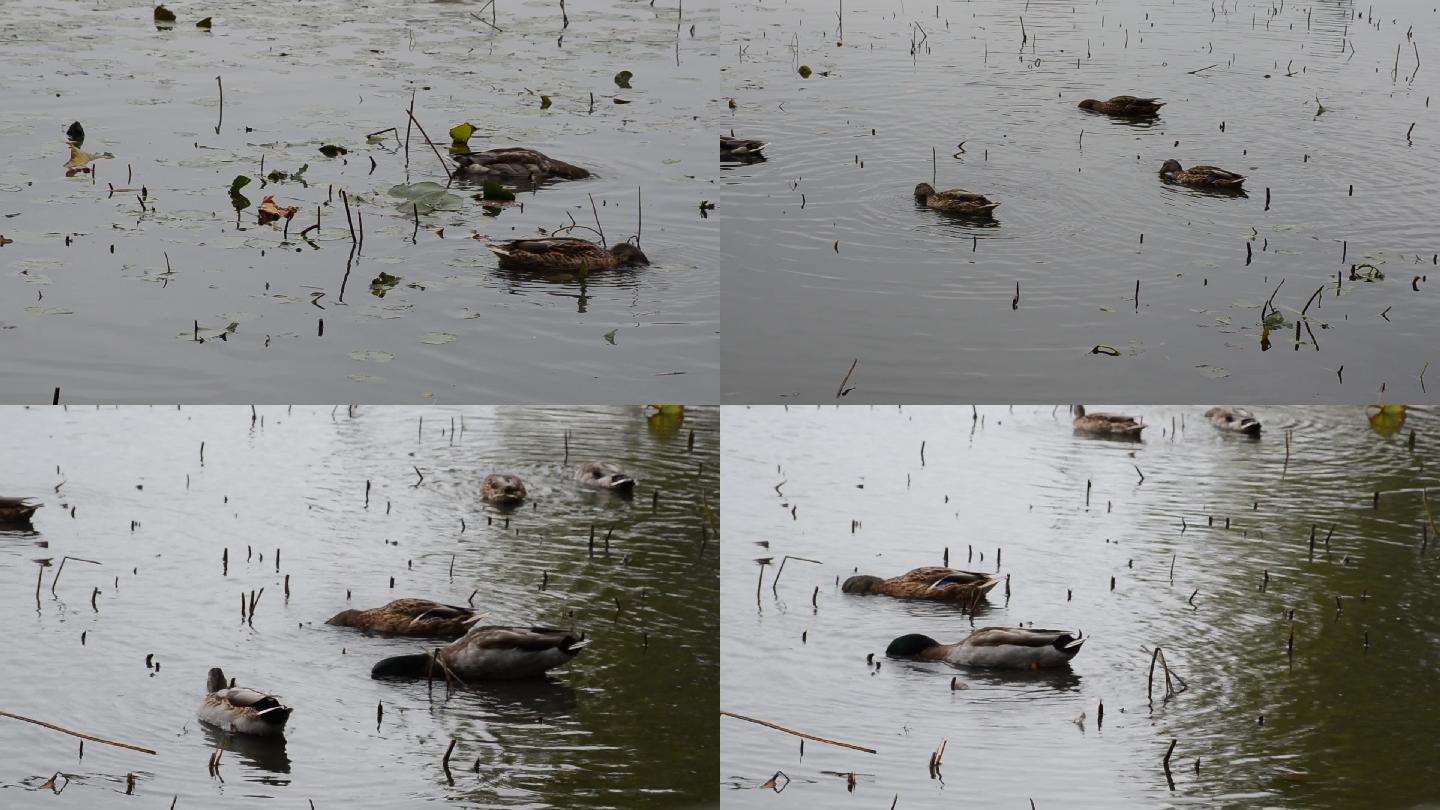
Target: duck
934,583
515,163
1128,106
247,711
1234,419
488,653
566,253
502,489
954,201
741,149
421,618
994,647
1200,176
603,475
1112,424
17,510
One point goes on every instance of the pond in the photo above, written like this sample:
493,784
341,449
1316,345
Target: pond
316,510
1204,543
164,291
1093,275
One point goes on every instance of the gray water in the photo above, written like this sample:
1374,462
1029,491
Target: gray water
630,723
829,260
1188,546
106,296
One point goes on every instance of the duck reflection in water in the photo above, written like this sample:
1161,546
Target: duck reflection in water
265,754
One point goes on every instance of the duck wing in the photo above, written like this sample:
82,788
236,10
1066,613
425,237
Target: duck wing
520,162
1016,637
435,611
245,698
1214,174
524,639
938,577
961,195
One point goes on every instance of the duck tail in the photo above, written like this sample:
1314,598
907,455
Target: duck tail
402,666
1074,642
573,646
990,583
910,645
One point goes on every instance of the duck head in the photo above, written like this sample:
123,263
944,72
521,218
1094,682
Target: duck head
924,191
861,583
1088,104
1171,166
629,255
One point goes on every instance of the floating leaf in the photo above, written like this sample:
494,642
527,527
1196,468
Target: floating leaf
164,15
203,25
382,284
437,338
427,196
331,150
492,190
621,100
238,183
460,133
80,161
623,78
610,336
270,211
544,102
76,134
805,71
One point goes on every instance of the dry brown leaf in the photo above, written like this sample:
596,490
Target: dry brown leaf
270,211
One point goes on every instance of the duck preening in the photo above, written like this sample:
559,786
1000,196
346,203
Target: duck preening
1201,176
514,163
954,201
1106,424
1124,106
502,489
934,583
488,653
741,149
1234,419
236,708
565,253
421,618
603,475
995,647
17,510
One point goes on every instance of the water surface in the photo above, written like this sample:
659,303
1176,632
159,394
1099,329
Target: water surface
1188,548
828,259
331,503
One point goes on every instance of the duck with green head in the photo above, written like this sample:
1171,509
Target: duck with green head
604,475
994,647
741,150
489,653
236,708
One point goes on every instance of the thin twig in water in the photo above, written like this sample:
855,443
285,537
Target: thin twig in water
797,733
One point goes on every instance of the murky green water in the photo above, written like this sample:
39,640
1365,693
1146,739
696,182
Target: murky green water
1188,547
105,295
630,723
832,261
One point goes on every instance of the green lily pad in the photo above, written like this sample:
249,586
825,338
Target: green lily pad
492,190
204,25
623,78
331,150
460,133
805,71
382,284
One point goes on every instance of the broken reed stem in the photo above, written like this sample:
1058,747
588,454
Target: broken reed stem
443,165
345,198
598,229
61,570
89,737
768,724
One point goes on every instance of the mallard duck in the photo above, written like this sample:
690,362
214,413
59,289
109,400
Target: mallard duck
996,647
1112,424
1234,419
17,510
235,708
1128,106
565,253
934,582
1200,176
514,163
954,201
740,149
502,489
603,475
411,617
488,653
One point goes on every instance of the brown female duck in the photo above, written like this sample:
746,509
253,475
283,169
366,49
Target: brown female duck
1108,424
17,510
502,489
1124,106
421,618
934,583
515,164
954,201
565,253
1201,176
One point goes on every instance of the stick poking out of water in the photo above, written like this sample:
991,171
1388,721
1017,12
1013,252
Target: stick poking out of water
768,724
78,734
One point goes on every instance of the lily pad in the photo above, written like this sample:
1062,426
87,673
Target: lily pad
331,150
492,190
460,133
427,196
382,284
805,71
622,79
437,338
204,25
